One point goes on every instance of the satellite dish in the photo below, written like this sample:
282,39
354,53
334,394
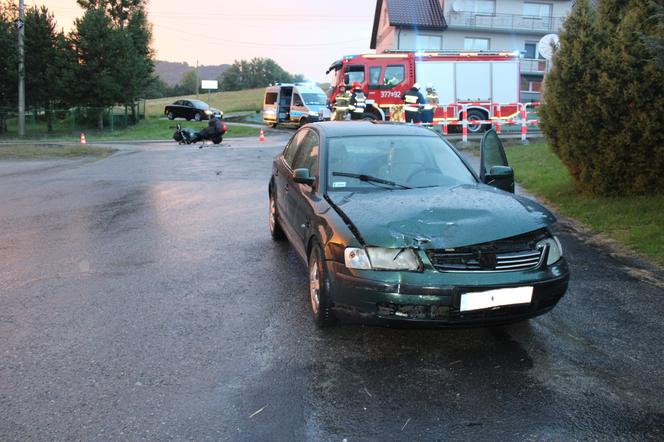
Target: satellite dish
548,45
457,6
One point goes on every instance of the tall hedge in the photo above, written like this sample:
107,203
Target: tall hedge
603,109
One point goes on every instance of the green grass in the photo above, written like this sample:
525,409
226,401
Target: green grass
150,129
228,102
37,152
636,222
161,129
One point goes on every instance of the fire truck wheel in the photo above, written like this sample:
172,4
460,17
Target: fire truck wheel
368,116
476,115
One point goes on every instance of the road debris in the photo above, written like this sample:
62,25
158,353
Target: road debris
404,425
257,412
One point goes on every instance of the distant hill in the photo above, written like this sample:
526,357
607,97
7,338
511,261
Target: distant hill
171,72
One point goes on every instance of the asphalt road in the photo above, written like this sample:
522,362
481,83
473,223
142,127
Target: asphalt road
141,298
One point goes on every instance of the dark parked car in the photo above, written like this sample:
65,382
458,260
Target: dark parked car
191,110
395,226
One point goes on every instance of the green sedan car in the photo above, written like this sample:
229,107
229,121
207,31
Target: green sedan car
396,227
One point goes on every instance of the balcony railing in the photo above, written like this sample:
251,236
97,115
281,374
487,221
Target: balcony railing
504,22
533,66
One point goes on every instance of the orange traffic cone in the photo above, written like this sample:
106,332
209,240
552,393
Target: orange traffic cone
261,137
82,138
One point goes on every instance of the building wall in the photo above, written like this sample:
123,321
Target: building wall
386,36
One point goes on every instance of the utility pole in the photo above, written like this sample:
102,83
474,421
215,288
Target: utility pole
20,24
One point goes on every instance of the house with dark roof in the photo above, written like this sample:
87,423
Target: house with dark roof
472,25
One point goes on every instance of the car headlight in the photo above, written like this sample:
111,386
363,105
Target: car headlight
208,112
555,249
379,258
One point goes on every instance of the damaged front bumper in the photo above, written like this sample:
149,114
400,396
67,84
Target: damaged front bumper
433,298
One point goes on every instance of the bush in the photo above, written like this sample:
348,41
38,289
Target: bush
603,99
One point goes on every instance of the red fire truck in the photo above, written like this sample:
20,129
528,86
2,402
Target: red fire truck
480,80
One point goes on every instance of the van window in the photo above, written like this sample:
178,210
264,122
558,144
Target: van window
297,101
270,98
354,74
394,75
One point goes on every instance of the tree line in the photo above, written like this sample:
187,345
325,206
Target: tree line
105,60
604,96
242,74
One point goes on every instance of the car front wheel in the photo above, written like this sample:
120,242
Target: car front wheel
319,290
197,117
170,116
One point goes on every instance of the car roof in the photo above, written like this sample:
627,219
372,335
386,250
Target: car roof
366,128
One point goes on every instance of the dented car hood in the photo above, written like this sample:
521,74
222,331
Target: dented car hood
440,217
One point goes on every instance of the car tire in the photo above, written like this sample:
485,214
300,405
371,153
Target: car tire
320,300
198,117
274,125
476,115
303,121
273,221
170,116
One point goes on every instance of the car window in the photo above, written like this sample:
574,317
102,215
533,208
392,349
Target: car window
186,103
413,161
297,101
394,75
178,103
291,148
307,154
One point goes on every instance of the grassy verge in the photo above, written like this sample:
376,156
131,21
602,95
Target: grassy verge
158,129
37,152
150,129
633,221
228,102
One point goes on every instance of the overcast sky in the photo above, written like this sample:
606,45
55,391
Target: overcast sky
303,36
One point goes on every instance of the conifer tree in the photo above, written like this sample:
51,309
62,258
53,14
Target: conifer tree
603,99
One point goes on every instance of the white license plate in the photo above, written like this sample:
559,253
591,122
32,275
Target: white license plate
495,298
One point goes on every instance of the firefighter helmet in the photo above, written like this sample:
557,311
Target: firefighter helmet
417,86
356,86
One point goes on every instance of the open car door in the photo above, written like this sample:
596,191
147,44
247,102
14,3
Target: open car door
494,169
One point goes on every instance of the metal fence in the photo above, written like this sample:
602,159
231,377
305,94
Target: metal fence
42,123
510,22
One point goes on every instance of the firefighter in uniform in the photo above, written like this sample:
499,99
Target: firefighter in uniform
358,102
413,100
432,103
341,104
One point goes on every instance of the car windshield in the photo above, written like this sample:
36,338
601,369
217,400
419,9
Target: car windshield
313,99
358,163
199,104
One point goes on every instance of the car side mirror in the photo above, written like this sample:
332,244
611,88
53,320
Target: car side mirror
501,177
301,176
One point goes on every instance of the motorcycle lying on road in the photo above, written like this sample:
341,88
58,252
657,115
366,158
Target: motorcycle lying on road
214,132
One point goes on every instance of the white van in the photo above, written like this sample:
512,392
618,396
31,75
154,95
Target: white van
294,104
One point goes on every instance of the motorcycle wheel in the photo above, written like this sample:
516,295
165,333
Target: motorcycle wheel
216,140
